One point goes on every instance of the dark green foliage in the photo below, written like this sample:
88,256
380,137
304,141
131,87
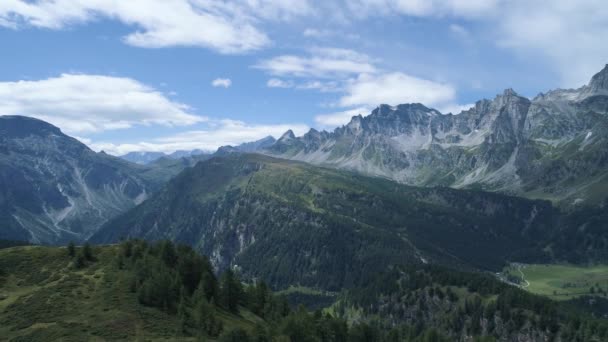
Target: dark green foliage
80,261
231,291
206,318
87,252
409,292
416,303
163,273
272,217
235,335
71,249
581,236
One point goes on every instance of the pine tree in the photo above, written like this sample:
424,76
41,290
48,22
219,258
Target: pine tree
71,249
79,261
88,252
230,291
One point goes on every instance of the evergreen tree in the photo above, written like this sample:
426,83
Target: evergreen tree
230,291
88,252
80,261
71,249
235,335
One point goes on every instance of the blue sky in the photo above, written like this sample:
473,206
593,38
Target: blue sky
159,75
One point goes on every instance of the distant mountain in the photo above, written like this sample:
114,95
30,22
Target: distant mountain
268,216
55,189
248,147
185,154
554,146
145,158
142,158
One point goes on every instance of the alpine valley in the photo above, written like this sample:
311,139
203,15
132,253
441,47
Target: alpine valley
394,227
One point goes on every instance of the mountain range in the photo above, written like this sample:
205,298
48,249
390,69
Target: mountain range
396,223
553,146
145,158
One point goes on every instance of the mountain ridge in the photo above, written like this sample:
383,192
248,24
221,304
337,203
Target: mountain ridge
508,144
55,188
242,209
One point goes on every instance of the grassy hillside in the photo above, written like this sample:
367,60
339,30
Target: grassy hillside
138,291
44,297
270,216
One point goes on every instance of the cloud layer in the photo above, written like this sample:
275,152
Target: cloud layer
361,81
93,103
396,88
227,27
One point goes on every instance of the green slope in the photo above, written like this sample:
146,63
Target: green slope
271,216
43,297
136,291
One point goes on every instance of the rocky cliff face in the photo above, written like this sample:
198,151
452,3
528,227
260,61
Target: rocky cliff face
552,147
54,189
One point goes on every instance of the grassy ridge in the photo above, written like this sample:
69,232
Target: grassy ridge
45,298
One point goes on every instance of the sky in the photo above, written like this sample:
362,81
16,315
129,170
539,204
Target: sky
166,75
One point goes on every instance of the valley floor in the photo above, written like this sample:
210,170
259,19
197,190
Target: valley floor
559,282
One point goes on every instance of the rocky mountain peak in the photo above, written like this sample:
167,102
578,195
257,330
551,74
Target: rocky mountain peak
509,92
354,125
15,126
289,135
599,81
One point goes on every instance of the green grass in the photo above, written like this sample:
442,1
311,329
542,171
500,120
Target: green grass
44,298
563,282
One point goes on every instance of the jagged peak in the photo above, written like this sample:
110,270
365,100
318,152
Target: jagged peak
289,135
356,118
599,81
509,92
404,107
268,138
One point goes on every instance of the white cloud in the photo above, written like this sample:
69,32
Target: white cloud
461,32
218,133
221,82
329,86
323,63
571,35
322,86
395,88
227,27
284,10
454,108
278,83
568,35
423,8
316,33
332,120
93,103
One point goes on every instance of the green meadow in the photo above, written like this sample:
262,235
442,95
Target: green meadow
561,282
